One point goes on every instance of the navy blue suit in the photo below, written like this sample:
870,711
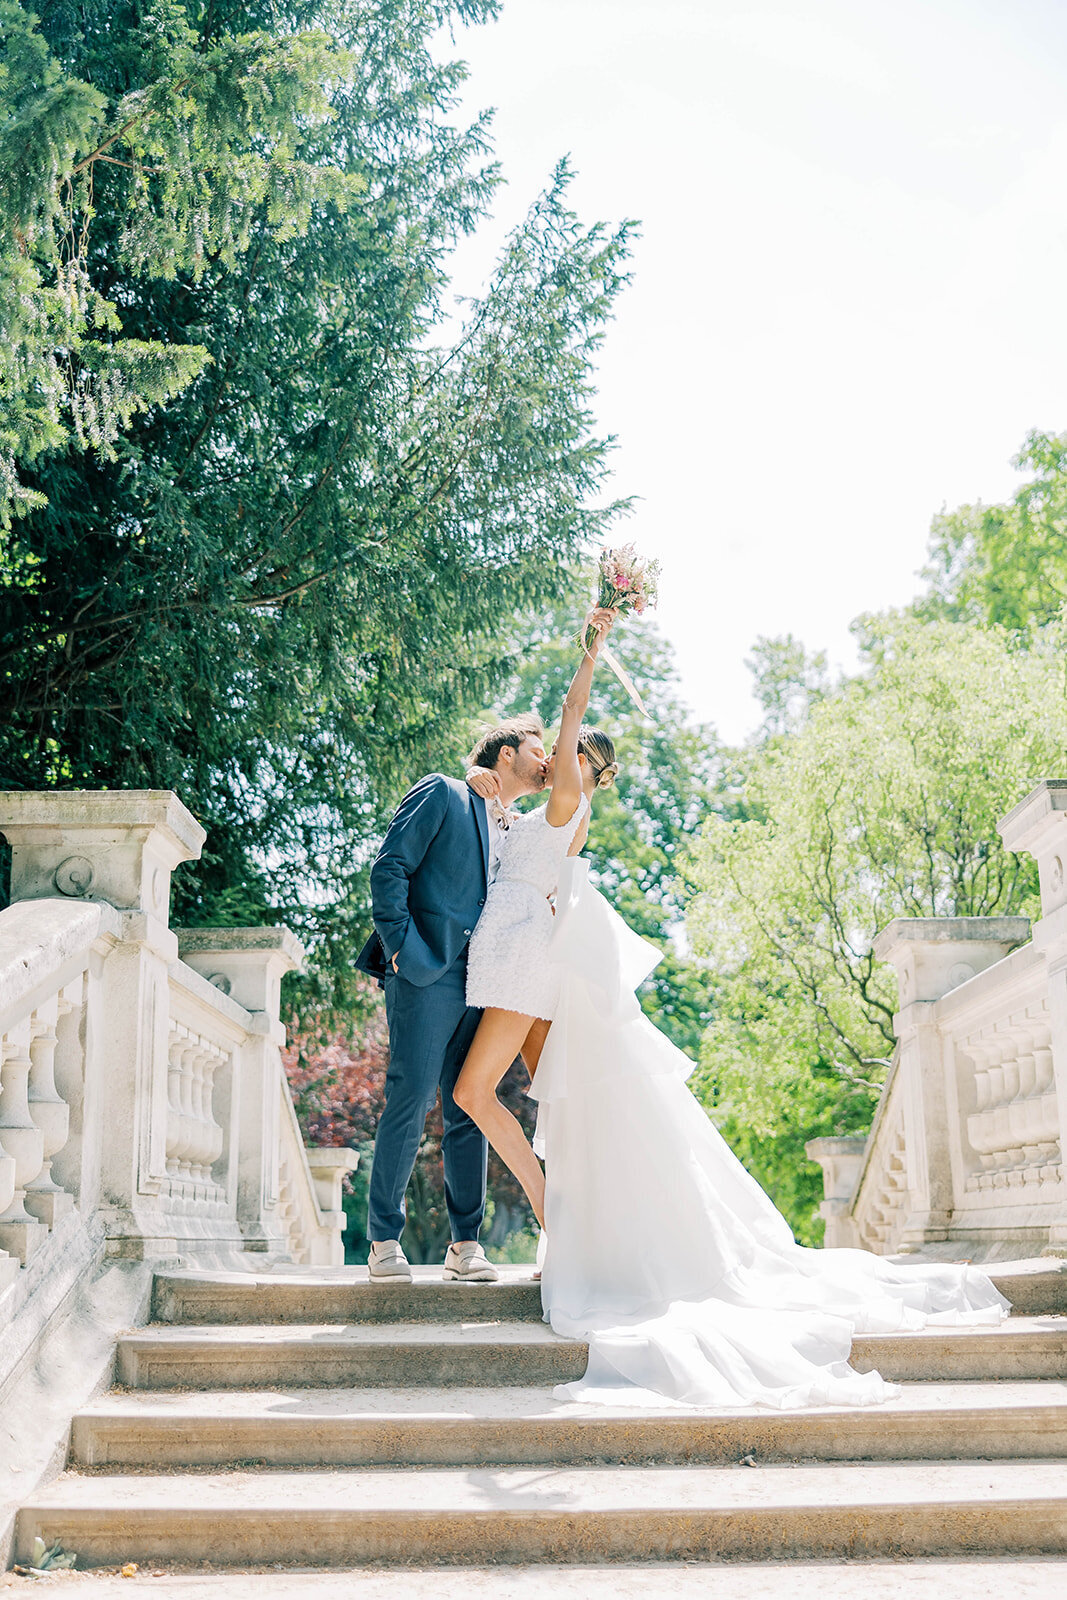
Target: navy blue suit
428,887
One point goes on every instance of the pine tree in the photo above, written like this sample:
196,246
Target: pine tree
182,136
281,593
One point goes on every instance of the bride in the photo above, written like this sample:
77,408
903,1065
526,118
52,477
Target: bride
662,1252
511,973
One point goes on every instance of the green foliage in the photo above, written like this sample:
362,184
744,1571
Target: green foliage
669,770
282,593
185,137
787,683
882,803
1006,564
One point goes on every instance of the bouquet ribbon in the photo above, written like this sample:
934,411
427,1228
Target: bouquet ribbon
612,660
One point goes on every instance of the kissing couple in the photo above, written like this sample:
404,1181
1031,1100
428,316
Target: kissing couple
661,1251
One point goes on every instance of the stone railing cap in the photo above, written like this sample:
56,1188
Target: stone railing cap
28,815
235,941
1047,797
332,1157
951,930
841,1144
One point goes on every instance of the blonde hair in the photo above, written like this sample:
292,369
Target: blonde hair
598,748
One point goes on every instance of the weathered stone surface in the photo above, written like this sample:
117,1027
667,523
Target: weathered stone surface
345,1295
509,1426
388,1354
969,1140
40,938
560,1514
1024,1347
116,845
246,963
984,1578
440,1442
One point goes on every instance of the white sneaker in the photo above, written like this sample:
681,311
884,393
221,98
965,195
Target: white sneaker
387,1263
468,1263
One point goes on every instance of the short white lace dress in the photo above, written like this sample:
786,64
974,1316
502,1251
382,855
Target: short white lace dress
508,963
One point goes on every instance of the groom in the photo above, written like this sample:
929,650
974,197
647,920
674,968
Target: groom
428,886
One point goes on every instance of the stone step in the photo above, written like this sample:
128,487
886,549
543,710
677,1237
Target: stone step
506,1353
1036,1287
345,1294
1021,1348
403,1354
341,1295
483,1427
556,1514
1043,1578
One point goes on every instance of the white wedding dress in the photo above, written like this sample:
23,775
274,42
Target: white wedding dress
509,960
662,1252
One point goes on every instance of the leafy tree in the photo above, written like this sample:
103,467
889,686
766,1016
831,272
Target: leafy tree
883,803
787,683
282,593
1006,564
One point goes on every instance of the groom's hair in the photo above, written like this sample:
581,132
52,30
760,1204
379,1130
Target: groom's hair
486,752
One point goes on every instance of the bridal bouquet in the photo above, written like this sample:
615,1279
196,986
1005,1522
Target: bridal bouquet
627,583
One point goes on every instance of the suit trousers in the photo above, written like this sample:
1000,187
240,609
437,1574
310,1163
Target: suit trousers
430,1031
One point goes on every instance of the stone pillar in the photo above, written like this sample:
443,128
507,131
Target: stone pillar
248,964
933,955
1038,827
119,847
328,1168
841,1160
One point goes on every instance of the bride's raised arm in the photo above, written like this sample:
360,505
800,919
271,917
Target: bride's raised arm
567,774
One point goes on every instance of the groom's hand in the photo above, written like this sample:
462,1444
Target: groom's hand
484,782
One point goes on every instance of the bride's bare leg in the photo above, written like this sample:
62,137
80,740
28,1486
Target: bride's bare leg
533,1044
497,1042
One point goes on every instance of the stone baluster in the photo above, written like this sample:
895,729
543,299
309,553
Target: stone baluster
197,1116
9,1265
1020,1109
190,1122
1038,827
981,1136
20,1232
1045,1116
176,1048
214,1138
119,847
45,1198
1002,1079
933,955
248,964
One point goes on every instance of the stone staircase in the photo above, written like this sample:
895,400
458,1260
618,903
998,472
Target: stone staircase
315,1419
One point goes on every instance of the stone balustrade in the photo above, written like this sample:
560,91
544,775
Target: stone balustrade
144,1110
965,1153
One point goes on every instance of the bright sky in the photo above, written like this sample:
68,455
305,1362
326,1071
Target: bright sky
847,306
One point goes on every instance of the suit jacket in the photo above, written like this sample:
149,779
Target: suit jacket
428,881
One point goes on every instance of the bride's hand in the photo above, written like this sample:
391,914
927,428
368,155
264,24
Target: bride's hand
484,782
600,620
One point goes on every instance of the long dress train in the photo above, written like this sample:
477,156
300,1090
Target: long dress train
662,1251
